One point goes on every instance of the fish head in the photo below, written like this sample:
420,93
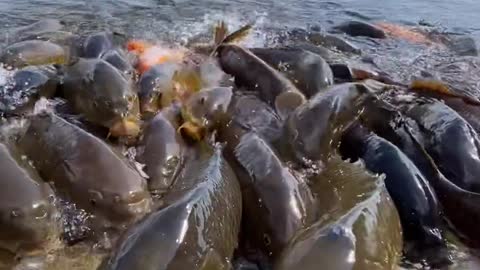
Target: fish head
127,205
209,106
29,223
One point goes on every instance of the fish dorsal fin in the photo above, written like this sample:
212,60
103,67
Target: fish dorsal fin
220,32
238,35
221,35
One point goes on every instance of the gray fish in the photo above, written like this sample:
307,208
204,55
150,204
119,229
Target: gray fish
27,211
85,169
199,227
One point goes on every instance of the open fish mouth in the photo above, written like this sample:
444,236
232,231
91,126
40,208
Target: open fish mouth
136,204
125,127
192,131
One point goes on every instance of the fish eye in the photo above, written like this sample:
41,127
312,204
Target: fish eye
15,213
95,196
40,211
131,99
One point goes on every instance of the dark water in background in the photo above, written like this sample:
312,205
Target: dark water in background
179,20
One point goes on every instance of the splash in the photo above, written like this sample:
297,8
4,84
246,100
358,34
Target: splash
4,75
46,105
201,30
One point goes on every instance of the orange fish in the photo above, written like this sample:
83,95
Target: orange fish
441,88
405,33
137,46
150,55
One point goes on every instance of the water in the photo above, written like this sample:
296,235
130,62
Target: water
171,17
180,20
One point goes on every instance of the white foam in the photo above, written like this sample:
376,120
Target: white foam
234,21
3,75
46,105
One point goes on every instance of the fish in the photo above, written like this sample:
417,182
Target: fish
313,130
28,215
85,170
162,149
197,229
25,87
366,237
33,52
204,111
277,204
308,71
410,191
102,95
253,73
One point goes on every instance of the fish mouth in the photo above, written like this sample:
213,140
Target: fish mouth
149,108
192,131
137,204
125,127
32,227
